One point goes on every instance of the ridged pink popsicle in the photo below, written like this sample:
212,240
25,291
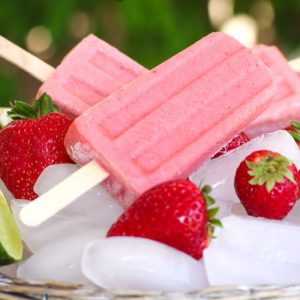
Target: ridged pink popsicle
167,123
285,105
89,73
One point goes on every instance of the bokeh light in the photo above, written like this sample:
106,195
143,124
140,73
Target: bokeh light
219,11
242,27
263,12
80,24
39,39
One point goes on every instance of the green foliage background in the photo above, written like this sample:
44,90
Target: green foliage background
149,31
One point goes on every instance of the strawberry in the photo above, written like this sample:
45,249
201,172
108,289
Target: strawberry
31,143
174,213
237,141
267,184
294,130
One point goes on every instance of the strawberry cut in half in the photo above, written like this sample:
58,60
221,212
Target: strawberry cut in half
32,142
174,213
267,184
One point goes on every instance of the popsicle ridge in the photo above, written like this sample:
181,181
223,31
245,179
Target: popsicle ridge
167,123
151,149
89,73
123,72
119,118
285,105
83,90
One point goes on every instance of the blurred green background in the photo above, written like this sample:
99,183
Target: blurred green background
149,31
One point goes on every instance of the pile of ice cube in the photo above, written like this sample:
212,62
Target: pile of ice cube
71,246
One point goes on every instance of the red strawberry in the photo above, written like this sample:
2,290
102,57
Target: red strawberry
173,213
294,130
267,184
237,141
31,143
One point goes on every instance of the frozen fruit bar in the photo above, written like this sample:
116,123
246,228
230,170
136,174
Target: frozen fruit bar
89,73
167,123
285,105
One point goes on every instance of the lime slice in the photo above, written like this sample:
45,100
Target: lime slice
11,249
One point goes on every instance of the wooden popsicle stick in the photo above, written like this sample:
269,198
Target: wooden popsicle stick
42,208
295,64
24,60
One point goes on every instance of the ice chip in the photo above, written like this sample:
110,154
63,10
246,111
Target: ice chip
294,214
8,195
219,173
11,270
61,259
275,241
142,264
57,226
53,175
238,209
226,267
103,209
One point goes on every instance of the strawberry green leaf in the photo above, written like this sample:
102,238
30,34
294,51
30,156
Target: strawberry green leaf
13,111
206,189
262,179
288,174
270,184
295,125
216,222
283,161
35,104
16,116
251,165
212,212
56,109
269,169
210,230
209,200
25,109
254,181
45,105
295,135
40,107
279,178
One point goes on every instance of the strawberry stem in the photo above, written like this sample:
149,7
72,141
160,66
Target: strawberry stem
40,107
211,213
270,170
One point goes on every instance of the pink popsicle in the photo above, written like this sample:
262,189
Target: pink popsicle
89,73
167,123
285,105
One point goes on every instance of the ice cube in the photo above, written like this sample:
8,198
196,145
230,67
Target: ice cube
11,270
143,264
103,208
8,195
238,209
276,241
219,173
226,267
53,175
57,226
61,259
294,214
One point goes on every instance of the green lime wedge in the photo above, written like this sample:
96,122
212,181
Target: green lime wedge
11,248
